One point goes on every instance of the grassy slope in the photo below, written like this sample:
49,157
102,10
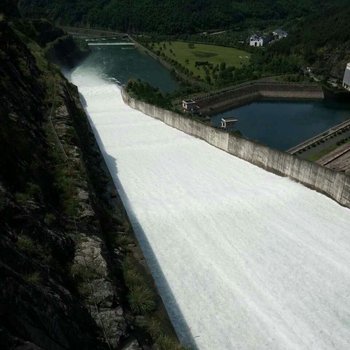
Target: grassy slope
201,52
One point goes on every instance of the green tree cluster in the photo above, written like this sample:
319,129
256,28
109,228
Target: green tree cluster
167,16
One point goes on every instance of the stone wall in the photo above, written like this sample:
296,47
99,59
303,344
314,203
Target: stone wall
333,184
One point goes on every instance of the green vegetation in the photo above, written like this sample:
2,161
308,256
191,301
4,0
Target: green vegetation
199,60
141,297
313,157
318,32
33,278
35,249
147,93
322,40
83,274
169,16
32,192
217,66
26,244
155,327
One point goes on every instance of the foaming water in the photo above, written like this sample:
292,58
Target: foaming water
243,259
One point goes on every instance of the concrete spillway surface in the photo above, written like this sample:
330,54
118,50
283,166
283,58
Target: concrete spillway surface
244,259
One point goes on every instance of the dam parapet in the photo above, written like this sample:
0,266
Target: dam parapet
334,184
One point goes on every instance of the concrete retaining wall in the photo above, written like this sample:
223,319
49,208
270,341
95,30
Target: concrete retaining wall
253,91
333,184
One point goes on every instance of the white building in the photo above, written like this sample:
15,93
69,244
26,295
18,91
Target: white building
228,122
346,80
279,34
256,40
190,106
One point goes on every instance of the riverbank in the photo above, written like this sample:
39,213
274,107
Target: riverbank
326,181
168,66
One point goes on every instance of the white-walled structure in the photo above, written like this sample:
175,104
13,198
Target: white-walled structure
279,34
346,80
189,106
256,40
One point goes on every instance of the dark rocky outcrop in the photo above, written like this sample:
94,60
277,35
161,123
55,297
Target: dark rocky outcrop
40,307
68,258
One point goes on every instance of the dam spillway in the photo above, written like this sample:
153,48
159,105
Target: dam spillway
243,258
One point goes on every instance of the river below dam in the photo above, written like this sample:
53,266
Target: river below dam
242,258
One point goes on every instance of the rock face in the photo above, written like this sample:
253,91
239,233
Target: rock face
55,289
98,289
68,259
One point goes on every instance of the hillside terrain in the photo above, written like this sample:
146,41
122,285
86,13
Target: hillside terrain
41,205
168,16
318,31
321,39
71,272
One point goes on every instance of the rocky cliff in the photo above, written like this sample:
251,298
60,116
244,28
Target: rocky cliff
71,273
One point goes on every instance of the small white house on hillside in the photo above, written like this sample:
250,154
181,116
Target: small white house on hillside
346,79
279,34
256,40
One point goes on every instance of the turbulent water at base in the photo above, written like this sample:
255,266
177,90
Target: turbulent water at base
282,125
243,259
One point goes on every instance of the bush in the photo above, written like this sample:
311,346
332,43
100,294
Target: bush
33,278
32,192
34,249
165,343
82,273
141,299
26,244
147,93
49,219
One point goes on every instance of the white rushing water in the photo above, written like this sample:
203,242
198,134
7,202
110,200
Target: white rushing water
244,259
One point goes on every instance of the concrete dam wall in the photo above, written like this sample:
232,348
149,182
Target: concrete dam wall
333,184
257,90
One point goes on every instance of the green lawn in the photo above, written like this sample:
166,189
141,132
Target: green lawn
313,157
188,54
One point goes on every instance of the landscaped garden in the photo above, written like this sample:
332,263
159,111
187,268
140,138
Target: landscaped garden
205,62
